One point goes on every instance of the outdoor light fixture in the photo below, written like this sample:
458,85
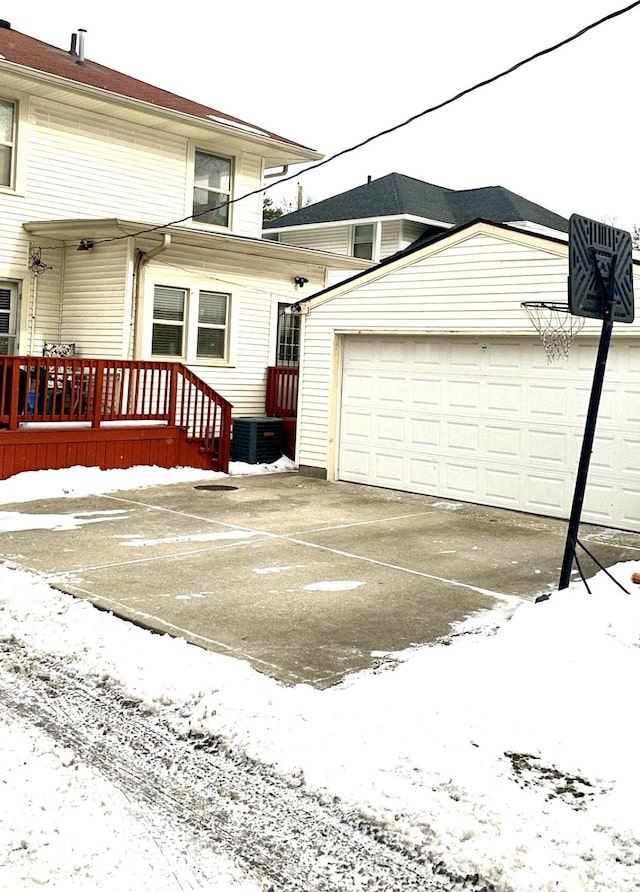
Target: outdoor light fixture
85,245
300,281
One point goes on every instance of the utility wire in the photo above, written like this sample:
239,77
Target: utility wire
477,86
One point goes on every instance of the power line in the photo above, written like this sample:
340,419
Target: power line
477,86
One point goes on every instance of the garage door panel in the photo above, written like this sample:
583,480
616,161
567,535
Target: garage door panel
391,390
358,426
546,494
359,388
423,475
503,442
424,393
389,429
425,433
357,464
461,479
551,447
504,486
504,397
548,401
463,394
389,469
462,437
488,420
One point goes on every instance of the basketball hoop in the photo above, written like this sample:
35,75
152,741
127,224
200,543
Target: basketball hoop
555,324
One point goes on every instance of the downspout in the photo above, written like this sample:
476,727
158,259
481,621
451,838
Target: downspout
142,260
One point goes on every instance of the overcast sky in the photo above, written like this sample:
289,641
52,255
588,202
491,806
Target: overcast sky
561,131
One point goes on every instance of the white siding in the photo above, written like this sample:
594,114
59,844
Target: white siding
336,239
410,232
256,286
96,306
97,166
390,237
83,164
43,305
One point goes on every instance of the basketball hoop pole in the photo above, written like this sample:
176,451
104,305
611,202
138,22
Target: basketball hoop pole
606,290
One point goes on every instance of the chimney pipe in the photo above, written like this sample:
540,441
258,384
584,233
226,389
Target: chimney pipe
81,33
74,44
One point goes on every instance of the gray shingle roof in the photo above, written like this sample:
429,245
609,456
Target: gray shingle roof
399,195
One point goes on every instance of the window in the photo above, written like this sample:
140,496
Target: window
288,338
167,338
7,141
363,237
211,189
189,324
8,315
212,325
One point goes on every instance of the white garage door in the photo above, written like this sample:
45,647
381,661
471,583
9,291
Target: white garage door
488,420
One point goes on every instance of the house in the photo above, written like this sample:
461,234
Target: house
130,227
424,374
383,216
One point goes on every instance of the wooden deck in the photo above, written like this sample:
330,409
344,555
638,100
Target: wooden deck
59,412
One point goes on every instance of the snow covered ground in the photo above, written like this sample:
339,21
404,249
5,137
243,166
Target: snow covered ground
509,751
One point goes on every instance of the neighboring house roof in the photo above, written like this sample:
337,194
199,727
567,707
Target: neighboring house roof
20,49
398,195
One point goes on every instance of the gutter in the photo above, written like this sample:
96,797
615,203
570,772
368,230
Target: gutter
142,260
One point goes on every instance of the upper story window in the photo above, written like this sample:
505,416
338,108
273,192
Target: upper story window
8,315
190,324
7,141
211,188
363,241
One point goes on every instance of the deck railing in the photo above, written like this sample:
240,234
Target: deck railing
282,391
36,390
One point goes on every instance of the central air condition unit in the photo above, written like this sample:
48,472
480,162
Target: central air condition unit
257,440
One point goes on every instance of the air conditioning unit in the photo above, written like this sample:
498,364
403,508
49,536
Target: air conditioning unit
257,440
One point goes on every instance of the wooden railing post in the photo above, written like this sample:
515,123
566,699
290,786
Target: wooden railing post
173,392
98,387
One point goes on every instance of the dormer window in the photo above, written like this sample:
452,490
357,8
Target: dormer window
211,189
363,241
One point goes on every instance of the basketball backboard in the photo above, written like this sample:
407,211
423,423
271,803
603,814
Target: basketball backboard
600,270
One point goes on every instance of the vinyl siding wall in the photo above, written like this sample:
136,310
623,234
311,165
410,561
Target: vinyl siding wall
336,239
86,164
256,286
97,285
472,285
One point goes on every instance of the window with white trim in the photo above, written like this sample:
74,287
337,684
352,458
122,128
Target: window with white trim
212,325
8,315
190,324
7,142
212,176
288,337
363,240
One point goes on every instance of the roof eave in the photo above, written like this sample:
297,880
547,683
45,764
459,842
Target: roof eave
70,232
276,152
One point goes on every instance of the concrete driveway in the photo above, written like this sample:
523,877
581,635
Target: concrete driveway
307,580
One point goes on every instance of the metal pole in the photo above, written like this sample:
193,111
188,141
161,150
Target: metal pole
590,425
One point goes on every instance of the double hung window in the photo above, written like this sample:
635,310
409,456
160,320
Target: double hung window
363,241
190,324
7,142
211,189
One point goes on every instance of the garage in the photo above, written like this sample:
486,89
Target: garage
488,420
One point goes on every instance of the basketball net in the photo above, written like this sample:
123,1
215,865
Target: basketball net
555,324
